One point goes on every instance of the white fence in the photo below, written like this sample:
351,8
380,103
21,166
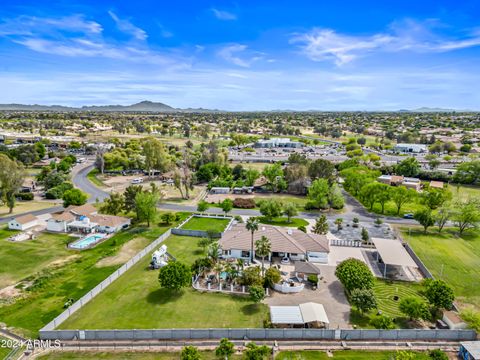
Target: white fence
104,284
260,334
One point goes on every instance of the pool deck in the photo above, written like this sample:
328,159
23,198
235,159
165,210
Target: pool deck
91,245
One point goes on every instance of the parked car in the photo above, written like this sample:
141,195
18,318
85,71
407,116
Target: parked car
285,261
137,181
408,216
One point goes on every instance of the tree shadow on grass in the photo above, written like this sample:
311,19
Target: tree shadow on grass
164,296
251,309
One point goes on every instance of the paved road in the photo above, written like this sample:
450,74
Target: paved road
80,180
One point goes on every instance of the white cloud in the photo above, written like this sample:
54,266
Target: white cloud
29,25
223,15
407,35
127,27
231,53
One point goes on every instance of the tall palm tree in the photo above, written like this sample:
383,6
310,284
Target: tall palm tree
252,226
263,248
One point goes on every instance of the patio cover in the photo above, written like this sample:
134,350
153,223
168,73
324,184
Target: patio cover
392,252
313,312
286,315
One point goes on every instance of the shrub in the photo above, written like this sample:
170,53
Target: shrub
354,274
312,279
190,353
272,276
27,196
238,219
439,294
257,293
302,228
244,203
382,322
437,354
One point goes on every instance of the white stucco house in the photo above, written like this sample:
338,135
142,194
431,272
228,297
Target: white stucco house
23,222
59,222
110,224
285,242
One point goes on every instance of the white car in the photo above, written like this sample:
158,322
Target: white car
285,261
137,181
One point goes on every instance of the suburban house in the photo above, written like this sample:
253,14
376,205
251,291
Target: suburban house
110,224
285,242
23,222
410,148
85,219
396,180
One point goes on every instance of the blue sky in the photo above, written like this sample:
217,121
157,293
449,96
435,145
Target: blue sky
244,55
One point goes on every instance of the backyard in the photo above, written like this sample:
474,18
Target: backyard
140,303
45,250
71,278
283,221
386,292
206,223
451,258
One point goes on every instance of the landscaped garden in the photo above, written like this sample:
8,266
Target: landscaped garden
50,287
136,300
343,355
206,223
390,293
453,258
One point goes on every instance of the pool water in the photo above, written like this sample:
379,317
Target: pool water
86,242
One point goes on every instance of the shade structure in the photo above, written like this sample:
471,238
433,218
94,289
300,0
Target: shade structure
392,252
313,312
286,315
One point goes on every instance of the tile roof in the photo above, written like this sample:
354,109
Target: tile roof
24,219
282,239
109,220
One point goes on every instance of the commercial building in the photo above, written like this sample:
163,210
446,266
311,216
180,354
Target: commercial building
410,148
278,143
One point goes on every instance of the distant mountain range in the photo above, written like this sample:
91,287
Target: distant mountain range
429,109
144,106
150,106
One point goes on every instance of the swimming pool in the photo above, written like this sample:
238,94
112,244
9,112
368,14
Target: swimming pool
86,242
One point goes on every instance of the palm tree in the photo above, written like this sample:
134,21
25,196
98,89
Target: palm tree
218,268
252,226
213,251
263,248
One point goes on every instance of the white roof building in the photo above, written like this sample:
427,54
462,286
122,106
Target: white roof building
303,314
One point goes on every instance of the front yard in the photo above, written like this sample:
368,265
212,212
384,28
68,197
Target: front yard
136,301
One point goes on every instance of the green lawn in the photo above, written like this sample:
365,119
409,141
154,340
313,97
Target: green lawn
463,192
52,286
451,258
22,259
282,221
385,293
204,223
66,355
298,201
92,176
342,355
136,301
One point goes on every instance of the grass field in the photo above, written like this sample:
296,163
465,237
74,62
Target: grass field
22,259
451,258
342,355
52,286
298,201
202,223
136,301
210,355
282,221
66,355
463,192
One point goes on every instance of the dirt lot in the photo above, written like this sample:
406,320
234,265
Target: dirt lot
171,194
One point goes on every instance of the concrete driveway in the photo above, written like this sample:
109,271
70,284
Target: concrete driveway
330,294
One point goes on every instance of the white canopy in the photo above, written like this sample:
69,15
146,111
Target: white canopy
392,252
300,314
313,312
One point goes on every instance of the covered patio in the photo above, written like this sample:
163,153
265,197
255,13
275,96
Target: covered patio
392,253
309,315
